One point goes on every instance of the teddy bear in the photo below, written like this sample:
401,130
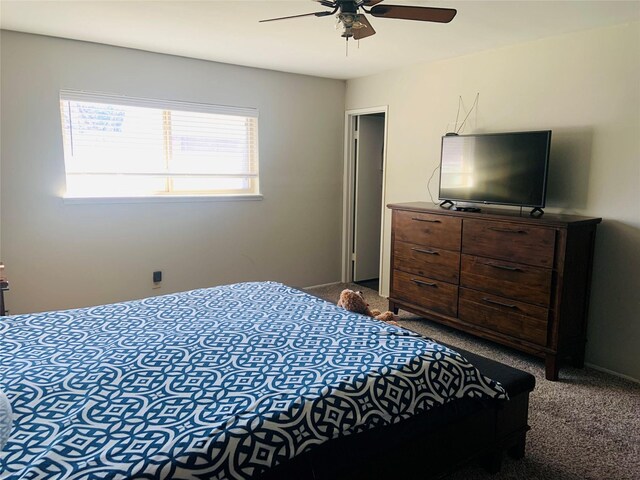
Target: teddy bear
354,302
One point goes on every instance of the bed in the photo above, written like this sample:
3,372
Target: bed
238,381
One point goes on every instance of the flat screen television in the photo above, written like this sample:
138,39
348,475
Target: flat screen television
496,168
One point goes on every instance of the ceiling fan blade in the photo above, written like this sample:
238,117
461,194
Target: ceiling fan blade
425,14
371,3
315,14
326,3
365,31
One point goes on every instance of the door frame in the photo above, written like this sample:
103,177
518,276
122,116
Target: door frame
348,188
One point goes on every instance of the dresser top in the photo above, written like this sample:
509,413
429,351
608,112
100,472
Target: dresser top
549,219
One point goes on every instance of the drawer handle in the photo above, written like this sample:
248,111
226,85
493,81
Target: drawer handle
425,220
428,252
508,305
426,284
505,267
508,230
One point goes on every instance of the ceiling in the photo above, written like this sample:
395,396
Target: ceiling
229,32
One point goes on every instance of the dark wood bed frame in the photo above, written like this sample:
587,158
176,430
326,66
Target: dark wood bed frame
432,444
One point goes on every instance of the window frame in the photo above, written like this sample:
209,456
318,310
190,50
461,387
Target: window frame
252,177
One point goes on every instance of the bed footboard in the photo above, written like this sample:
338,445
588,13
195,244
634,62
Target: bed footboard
432,444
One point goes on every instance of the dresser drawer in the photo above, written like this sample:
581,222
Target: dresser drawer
427,229
432,294
507,279
520,320
427,261
516,242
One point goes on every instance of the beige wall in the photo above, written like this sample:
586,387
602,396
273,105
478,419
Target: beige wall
60,255
586,88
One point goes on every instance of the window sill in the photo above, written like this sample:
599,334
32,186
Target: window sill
160,199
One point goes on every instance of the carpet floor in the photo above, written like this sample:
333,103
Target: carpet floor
584,426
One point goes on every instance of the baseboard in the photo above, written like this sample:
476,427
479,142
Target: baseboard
322,285
611,372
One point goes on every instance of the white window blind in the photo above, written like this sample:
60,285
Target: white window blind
121,146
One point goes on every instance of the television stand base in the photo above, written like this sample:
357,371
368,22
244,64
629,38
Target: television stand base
444,203
536,212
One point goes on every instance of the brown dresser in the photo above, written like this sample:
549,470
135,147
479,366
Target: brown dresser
518,280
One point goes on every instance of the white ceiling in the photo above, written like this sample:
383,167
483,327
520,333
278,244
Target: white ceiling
229,32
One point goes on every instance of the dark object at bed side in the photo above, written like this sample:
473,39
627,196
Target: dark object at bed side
431,444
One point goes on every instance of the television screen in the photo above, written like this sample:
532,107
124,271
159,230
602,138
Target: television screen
501,168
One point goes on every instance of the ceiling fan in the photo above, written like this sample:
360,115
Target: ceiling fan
350,14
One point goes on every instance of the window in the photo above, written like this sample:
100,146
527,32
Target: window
130,147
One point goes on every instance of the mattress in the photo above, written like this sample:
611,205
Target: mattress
222,382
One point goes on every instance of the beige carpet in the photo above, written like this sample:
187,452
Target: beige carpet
584,426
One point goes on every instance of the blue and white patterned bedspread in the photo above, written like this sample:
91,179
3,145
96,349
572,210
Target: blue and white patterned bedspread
214,383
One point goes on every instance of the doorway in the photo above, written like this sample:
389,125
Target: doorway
365,156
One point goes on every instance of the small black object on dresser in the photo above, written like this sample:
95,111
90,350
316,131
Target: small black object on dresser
517,280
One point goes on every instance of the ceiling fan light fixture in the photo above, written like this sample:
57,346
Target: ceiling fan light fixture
347,19
347,33
349,22
357,24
